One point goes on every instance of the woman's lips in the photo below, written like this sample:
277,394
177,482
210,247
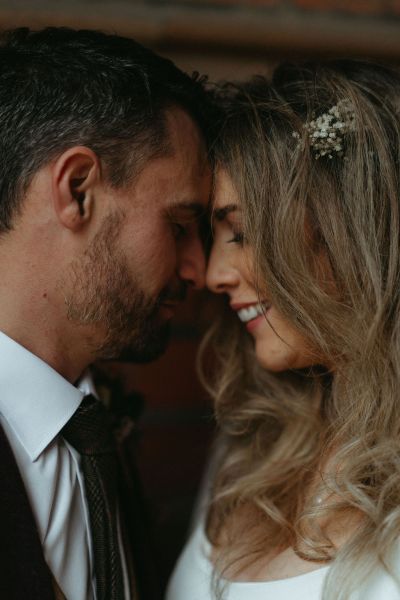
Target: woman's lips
254,323
251,314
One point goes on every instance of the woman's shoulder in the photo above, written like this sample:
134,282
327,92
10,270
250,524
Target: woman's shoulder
192,575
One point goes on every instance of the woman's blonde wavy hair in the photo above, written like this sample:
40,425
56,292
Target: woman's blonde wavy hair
281,429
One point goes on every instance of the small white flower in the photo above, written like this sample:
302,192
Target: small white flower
326,132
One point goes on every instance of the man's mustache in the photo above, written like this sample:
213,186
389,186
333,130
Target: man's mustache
173,293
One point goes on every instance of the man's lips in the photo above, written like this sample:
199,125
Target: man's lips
167,309
171,298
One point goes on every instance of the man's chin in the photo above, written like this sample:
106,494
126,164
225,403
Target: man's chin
148,348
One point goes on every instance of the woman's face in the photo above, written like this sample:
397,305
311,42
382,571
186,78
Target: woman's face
278,345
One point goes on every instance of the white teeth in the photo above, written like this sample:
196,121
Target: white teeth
251,312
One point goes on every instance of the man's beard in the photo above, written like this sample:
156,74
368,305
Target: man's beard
106,294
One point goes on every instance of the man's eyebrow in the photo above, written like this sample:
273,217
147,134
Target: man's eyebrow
220,213
196,208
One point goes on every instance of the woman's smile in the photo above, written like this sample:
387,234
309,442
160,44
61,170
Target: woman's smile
252,314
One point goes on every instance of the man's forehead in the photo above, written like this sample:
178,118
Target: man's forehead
183,131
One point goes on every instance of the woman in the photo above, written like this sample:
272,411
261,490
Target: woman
305,502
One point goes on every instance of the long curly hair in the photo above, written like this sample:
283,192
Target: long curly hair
282,429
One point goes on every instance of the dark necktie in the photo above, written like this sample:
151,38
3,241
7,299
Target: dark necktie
89,433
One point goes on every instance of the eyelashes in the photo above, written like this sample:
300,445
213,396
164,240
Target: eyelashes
238,238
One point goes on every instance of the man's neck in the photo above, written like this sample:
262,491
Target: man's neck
69,359
30,315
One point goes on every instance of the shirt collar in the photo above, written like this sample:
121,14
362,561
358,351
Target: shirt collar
35,400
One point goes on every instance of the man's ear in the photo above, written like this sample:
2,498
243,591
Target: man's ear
75,174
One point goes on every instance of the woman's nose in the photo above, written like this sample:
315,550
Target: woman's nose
220,275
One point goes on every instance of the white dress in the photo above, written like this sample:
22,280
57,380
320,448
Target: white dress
192,580
192,576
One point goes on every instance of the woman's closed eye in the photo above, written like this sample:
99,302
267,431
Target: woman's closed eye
238,238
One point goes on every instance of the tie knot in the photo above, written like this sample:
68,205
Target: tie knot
88,430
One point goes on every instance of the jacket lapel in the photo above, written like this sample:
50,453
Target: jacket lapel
24,572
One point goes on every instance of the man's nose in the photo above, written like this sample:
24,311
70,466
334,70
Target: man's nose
192,264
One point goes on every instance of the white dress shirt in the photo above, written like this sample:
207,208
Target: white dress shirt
35,403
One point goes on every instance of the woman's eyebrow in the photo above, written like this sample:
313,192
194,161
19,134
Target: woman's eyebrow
220,213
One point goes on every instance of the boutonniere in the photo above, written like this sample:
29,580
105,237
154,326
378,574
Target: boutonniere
124,408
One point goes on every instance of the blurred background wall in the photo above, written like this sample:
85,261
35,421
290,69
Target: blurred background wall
227,39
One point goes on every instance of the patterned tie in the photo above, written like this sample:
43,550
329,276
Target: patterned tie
89,433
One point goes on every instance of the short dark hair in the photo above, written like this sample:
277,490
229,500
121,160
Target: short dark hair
60,87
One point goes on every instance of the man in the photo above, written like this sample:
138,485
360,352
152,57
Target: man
103,175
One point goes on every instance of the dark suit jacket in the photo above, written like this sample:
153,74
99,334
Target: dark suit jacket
24,574
23,571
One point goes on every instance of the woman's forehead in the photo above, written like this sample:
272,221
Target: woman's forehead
225,196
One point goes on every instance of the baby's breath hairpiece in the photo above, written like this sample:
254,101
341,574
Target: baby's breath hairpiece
325,133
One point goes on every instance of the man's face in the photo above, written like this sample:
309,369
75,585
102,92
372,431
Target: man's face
146,253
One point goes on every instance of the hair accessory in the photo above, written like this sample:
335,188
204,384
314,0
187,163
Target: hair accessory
326,132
